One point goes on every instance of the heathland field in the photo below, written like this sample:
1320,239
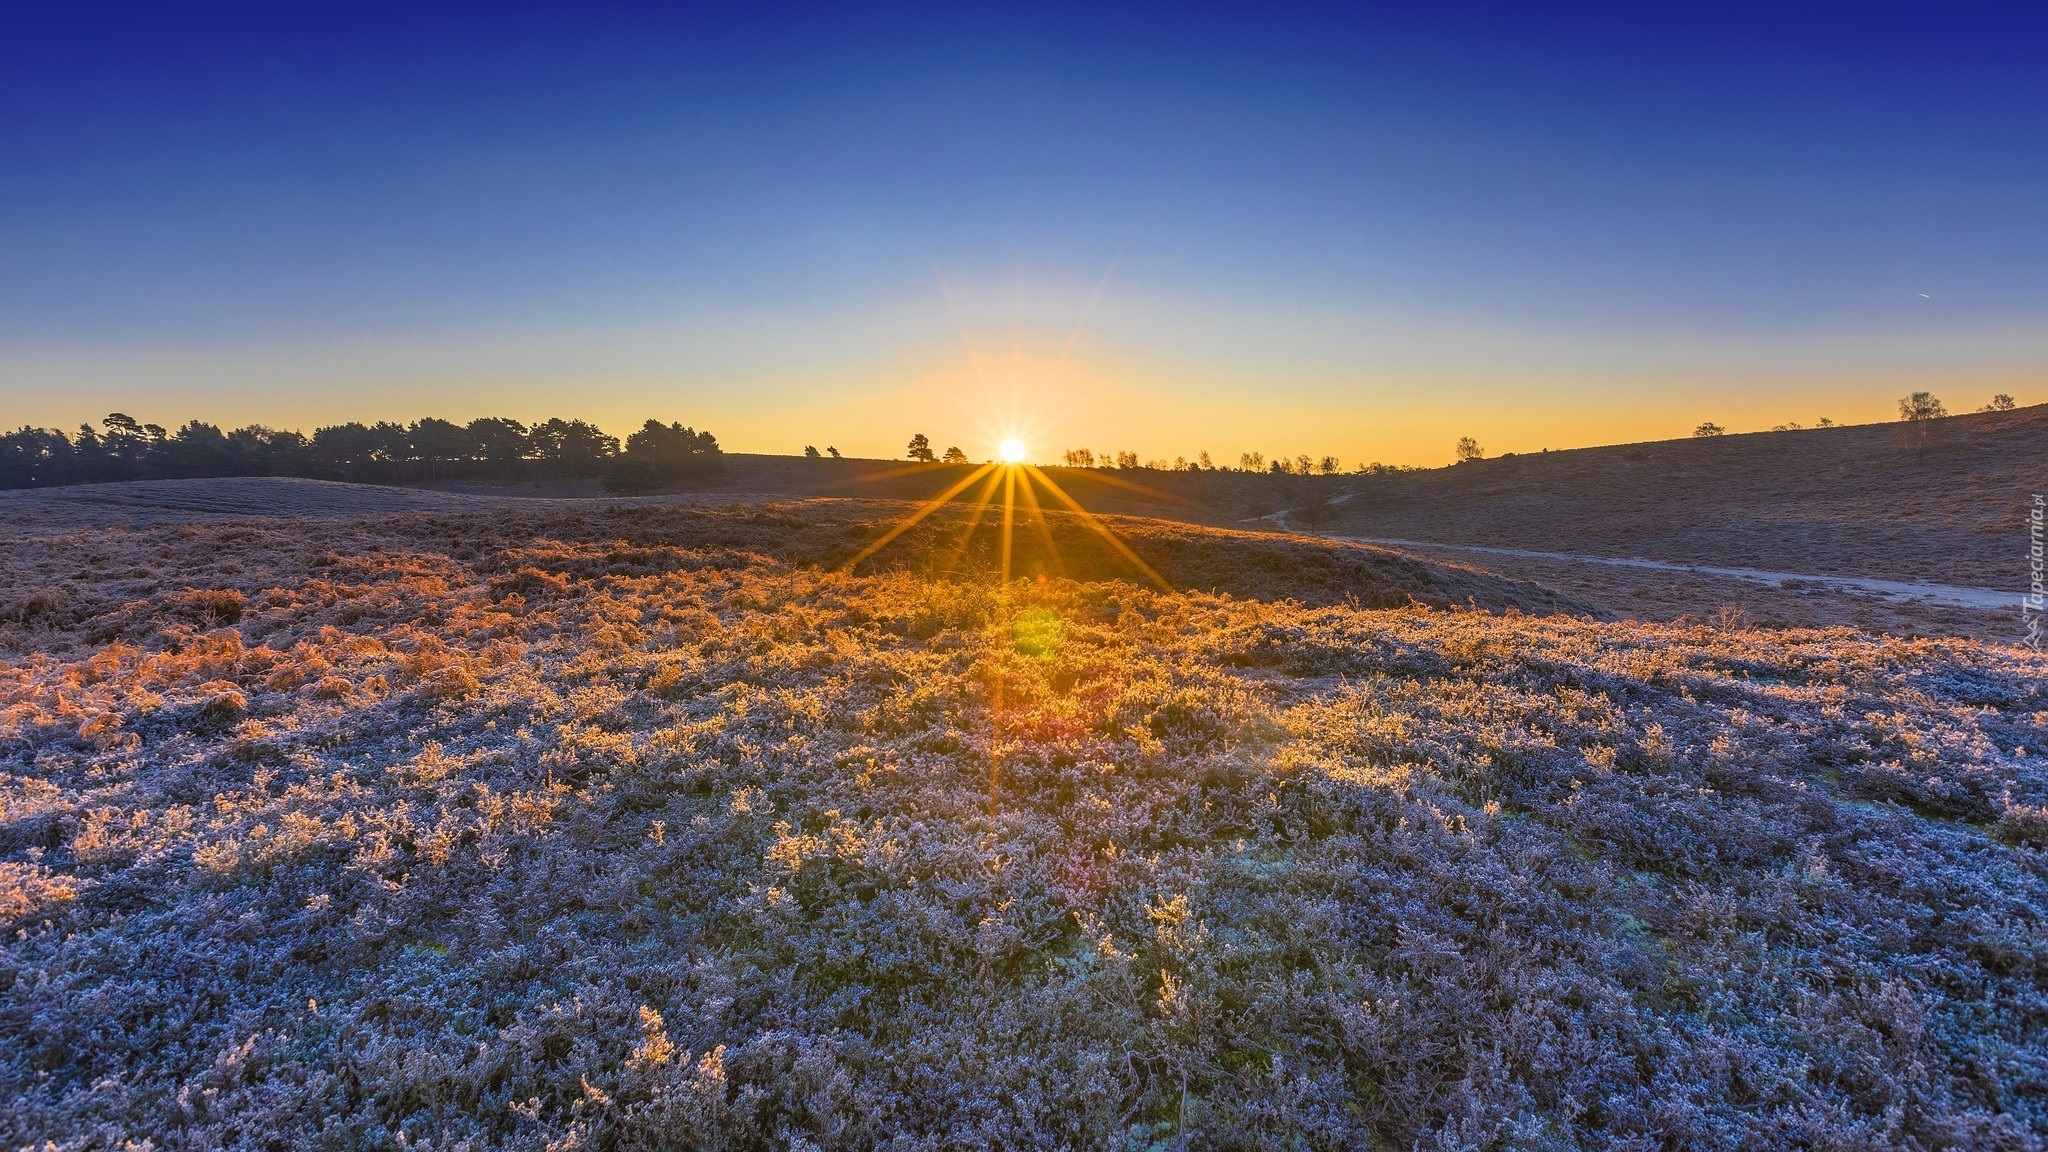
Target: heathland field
648,827
1945,502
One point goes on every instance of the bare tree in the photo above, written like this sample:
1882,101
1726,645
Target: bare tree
1919,412
1080,458
1922,406
1469,450
1709,429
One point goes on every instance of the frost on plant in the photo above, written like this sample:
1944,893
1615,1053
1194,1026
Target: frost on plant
656,832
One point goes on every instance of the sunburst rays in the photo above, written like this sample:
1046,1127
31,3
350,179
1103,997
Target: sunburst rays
1019,484
922,511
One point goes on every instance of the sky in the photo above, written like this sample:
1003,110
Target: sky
1289,229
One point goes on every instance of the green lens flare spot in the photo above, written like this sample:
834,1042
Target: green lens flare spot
1037,632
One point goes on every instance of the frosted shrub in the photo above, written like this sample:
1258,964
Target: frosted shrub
587,832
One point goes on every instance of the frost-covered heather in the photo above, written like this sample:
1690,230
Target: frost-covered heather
563,844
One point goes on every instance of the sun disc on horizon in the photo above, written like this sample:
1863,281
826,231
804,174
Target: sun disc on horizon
1011,451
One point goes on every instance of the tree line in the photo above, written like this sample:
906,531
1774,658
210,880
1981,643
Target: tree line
1246,462
429,449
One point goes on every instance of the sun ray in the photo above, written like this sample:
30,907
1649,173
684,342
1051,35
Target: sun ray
895,473
1052,550
1096,523
924,510
981,507
1009,516
1106,477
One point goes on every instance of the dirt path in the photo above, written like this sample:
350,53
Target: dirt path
1949,594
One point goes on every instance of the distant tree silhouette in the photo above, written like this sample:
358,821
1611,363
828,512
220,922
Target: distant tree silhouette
1203,462
342,450
125,448
1127,460
1922,406
571,447
128,444
1709,429
1251,462
436,441
955,456
921,448
501,443
832,452
1918,412
1329,466
390,449
271,451
1823,422
1080,458
37,458
810,451
1999,403
674,452
1468,450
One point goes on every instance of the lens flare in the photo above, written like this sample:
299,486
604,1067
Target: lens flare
1011,451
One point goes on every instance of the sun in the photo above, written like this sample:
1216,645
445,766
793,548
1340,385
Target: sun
1011,451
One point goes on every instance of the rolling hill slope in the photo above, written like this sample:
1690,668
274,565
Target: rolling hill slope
1835,501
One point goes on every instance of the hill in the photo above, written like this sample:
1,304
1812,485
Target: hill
1855,501
645,827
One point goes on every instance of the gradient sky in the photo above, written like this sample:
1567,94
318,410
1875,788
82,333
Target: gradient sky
1164,229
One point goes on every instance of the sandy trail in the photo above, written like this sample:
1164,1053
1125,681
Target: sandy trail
1949,594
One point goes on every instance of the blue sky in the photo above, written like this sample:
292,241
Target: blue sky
1283,229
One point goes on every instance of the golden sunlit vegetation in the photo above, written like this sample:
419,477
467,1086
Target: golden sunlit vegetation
649,827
